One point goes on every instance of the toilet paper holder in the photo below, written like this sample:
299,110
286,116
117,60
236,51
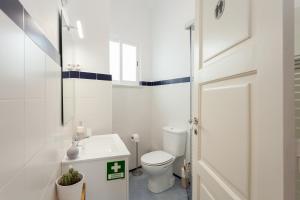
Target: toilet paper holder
136,139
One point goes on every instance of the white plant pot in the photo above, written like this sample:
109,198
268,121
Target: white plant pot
71,192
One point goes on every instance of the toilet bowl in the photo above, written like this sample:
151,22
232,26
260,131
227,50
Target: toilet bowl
159,164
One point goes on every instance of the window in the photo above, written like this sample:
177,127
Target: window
123,61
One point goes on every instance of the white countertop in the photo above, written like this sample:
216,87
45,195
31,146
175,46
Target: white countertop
100,147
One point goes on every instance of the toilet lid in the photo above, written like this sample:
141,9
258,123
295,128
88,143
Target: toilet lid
157,158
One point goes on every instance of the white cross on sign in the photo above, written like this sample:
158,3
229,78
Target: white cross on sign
116,167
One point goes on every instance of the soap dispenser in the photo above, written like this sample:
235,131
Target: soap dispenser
80,130
73,151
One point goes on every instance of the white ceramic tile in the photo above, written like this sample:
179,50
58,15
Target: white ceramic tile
11,59
14,189
95,114
50,192
169,107
92,88
12,143
34,70
132,114
53,98
94,105
69,88
68,99
40,170
35,131
30,96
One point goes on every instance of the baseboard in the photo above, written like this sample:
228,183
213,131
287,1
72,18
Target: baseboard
141,167
135,168
177,176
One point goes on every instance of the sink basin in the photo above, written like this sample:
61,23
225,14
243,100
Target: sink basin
97,156
100,147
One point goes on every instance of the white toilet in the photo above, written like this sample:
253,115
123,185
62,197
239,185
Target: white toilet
159,164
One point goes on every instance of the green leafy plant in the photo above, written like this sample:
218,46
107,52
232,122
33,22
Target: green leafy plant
70,178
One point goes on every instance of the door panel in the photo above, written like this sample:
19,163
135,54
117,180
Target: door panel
205,194
219,189
226,30
243,100
225,146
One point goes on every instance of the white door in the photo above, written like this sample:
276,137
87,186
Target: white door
243,142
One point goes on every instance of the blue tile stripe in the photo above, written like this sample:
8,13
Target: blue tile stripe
108,77
17,13
14,10
86,75
166,82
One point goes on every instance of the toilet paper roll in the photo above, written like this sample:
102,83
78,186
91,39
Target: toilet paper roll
135,138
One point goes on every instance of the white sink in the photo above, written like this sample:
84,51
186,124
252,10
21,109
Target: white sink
95,155
100,147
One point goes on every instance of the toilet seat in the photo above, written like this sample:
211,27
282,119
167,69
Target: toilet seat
157,158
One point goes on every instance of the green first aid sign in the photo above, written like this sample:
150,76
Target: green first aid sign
115,170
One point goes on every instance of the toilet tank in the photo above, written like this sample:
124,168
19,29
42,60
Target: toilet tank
174,141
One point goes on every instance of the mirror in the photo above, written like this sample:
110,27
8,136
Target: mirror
68,84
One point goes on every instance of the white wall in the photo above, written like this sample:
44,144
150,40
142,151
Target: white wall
93,105
297,52
92,51
170,57
131,114
93,101
170,53
32,139
131,22
159,28
170,107
297,31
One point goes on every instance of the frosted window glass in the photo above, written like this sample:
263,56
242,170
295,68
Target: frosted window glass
129,62
114,60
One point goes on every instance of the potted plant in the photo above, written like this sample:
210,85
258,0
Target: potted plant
69,185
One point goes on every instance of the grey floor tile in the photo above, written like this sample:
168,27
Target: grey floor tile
138,190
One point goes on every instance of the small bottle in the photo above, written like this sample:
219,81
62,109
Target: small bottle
80,130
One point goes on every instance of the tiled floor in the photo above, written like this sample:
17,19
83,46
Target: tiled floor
138,190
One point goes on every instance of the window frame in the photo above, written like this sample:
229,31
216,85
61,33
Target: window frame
138,65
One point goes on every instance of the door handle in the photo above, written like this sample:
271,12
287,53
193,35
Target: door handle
195,121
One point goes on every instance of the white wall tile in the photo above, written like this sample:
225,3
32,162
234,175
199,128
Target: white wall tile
53,98
35,131
32,140
91,53
35,70
170,107
12,145
11,59
50,192
297,31
170,47
132,114
93,105
40,170
91,88
14,189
